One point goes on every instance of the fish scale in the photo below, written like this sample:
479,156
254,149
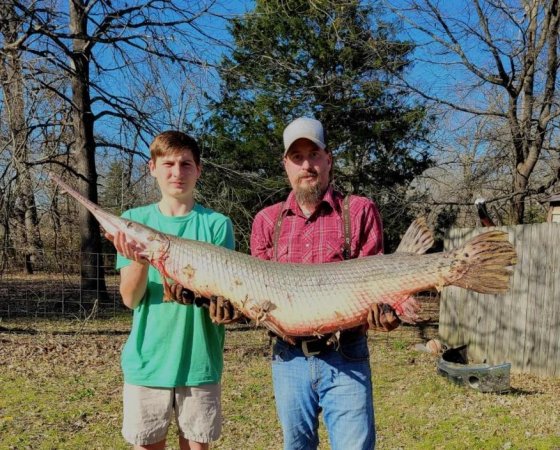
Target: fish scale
315,299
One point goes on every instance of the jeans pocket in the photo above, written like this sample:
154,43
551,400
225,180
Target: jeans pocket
355,351
280,352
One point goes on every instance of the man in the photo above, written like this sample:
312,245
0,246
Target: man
330,374
172,361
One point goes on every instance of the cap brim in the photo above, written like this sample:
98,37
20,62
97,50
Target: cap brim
317,142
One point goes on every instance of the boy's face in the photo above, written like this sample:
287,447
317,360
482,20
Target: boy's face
176,174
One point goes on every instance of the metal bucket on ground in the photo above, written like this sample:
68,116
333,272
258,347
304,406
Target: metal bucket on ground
454,365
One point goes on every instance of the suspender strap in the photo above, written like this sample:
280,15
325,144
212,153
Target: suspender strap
276,236
347,249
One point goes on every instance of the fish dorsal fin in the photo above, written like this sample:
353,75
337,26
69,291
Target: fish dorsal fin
417,239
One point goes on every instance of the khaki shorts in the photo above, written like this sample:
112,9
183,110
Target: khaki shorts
147,413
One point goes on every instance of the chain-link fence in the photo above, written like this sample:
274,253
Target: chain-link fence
57,287
52,283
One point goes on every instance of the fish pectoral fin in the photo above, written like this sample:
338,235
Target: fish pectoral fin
260,312
167,296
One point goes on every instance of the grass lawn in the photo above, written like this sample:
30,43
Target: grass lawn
60,388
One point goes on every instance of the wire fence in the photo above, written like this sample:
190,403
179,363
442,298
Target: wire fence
55,284
58,287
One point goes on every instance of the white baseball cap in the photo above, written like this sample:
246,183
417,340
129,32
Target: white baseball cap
304,127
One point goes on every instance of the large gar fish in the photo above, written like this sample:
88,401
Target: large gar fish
315,299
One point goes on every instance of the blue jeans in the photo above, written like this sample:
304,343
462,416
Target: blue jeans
335,382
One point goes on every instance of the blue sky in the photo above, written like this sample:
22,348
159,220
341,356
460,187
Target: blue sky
448,80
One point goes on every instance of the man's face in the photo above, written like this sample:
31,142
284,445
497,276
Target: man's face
308,168
176,174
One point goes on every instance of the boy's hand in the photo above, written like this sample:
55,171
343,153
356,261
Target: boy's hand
382,317
222,311
129,249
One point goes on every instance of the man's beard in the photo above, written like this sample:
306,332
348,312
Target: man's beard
311,194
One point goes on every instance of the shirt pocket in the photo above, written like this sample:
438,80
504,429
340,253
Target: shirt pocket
334,246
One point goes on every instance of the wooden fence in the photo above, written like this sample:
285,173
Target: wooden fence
522,326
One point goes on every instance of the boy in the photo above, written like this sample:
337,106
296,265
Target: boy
172,361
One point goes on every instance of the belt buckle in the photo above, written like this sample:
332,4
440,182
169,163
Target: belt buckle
305,348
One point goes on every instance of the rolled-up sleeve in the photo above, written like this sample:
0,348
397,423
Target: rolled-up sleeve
261,236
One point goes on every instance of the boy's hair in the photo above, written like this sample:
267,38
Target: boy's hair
170,142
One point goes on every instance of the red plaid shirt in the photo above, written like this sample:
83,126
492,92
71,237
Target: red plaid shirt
319,238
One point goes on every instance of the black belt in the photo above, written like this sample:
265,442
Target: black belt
315,346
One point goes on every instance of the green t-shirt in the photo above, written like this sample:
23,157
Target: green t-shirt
171,344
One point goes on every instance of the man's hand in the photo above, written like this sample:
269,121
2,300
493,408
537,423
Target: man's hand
222,311
382,317
181,295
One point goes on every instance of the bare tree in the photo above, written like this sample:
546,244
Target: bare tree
12,82
497,60
100,46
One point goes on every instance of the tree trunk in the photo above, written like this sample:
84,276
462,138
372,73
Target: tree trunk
11,78
92,271
518,200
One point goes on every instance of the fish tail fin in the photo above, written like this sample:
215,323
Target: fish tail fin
483,263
